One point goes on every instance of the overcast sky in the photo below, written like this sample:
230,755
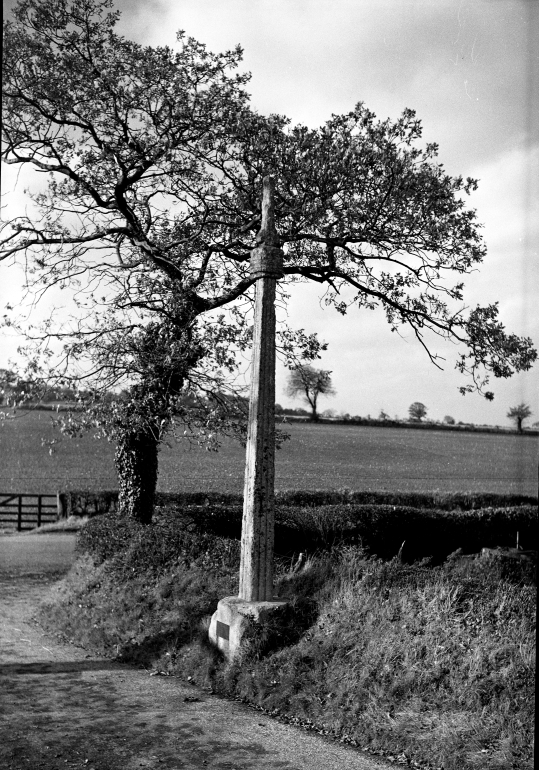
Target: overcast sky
470,69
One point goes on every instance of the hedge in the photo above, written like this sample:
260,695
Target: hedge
380,529
87,503
137,547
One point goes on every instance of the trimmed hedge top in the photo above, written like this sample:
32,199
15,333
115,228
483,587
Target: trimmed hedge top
384,530
85,502
315,498
381,529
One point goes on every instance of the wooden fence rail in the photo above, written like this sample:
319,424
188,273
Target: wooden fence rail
28,511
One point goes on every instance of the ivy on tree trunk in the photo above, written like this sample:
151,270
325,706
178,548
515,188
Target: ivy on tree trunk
136,465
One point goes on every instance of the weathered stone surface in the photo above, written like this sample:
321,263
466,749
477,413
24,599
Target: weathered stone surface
255,600
256,571
229,622
266,262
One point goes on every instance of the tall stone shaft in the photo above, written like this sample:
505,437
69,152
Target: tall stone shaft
256,568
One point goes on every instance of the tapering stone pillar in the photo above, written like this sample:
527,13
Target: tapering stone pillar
256,572
255,598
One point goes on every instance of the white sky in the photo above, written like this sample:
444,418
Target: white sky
470,69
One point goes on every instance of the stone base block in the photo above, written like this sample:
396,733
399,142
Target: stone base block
233,615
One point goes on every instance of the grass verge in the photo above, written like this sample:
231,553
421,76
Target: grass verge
431,664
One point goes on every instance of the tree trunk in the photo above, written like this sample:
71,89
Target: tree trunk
313,405
137,465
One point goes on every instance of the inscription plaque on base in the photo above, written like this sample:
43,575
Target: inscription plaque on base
223,630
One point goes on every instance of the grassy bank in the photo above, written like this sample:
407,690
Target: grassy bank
434,665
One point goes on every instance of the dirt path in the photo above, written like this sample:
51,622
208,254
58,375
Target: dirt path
63,708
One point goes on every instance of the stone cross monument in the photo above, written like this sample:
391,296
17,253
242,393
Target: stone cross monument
256,571
255,598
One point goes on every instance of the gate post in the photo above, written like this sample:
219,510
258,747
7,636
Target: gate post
19,514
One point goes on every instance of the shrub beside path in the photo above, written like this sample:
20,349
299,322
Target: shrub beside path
64,708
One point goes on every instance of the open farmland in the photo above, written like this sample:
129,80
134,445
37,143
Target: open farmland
316,457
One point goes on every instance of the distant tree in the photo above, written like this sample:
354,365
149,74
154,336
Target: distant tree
16,391
310,383
329,414
519,414
8,382
383,415
417,411
449,420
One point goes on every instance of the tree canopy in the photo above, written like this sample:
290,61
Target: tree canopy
155,161
518,414
310,383
417,411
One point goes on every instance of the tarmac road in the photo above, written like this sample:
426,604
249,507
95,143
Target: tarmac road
61,707
30,553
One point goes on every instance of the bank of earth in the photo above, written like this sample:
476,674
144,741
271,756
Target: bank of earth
429,665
